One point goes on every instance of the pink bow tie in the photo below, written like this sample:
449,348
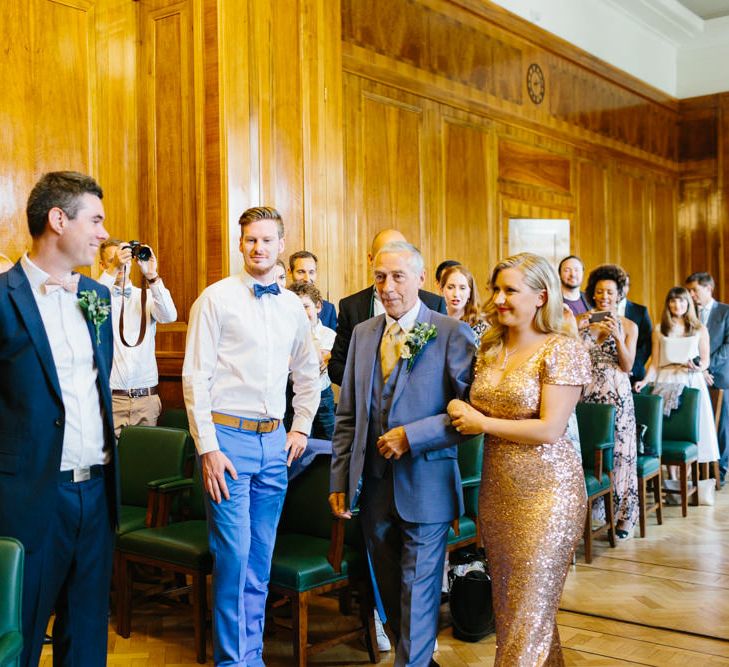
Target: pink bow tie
70,284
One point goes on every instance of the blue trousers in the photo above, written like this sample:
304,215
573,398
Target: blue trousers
407,559
242,534
71,573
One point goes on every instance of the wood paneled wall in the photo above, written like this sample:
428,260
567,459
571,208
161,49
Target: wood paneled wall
351,116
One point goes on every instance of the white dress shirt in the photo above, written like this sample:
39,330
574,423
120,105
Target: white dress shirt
705,311
237,358
73,355
407,321
136,367
324,340
377,307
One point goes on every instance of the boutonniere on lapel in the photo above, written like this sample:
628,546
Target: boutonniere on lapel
416,340
95,308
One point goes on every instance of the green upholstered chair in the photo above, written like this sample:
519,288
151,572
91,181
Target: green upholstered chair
316,553
180,548
148,456
177,418
681,445
649,412
464,530
11,596
596,425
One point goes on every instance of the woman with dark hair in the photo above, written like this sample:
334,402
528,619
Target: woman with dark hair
680,357
611,341
460,293
529,376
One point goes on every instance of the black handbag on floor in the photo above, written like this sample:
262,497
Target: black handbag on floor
471,605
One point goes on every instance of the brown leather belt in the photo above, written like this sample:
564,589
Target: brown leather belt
243,424
135,393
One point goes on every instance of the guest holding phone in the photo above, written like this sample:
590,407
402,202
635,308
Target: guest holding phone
611,341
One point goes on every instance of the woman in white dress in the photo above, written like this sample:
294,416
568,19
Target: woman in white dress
681,356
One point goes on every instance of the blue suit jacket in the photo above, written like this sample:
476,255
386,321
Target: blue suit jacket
639,314
718,326
426,480
32,411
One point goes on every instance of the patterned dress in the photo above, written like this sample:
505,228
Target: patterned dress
611,386
531,506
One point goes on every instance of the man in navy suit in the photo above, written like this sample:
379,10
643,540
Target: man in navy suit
715,316
637,313
395,451
366,303
58,484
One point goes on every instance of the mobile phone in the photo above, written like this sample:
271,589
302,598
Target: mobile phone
598,316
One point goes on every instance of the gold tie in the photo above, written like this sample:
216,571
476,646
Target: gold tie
390,349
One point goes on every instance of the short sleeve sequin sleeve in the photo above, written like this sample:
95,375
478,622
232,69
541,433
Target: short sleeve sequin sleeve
567,362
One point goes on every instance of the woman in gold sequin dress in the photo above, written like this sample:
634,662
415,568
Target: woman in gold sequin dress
529,377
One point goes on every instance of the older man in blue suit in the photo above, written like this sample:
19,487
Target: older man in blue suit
715,316
58,488
394,449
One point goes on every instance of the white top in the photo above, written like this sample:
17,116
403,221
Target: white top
704,311
377,307
324,340
73,355
237,358
678,349
136,367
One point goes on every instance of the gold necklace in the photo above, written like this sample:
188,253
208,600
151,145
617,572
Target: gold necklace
507,354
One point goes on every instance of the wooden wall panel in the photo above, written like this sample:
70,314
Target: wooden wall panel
662,242
384,152
69,81
468,198
413,42
591,231
172,209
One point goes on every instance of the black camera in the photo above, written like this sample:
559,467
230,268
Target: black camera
140,251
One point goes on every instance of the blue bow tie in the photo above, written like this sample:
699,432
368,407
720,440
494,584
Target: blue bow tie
260,290
117,291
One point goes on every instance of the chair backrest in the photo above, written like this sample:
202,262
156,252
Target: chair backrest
470,458
306,509
147,453
596,425
649,411
177,418
11,585
683,422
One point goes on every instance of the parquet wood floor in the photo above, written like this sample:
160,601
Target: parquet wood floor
662,600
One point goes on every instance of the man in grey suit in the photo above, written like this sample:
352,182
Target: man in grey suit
394,449
715,316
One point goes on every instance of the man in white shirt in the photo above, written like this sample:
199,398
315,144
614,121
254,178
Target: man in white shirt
243,336
134,376
58,474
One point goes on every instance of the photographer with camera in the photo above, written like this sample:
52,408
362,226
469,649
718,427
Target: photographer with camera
134,374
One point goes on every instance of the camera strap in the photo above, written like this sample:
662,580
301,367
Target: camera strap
143,316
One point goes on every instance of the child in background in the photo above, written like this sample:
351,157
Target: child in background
323,426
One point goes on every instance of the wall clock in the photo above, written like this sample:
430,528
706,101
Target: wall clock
535,83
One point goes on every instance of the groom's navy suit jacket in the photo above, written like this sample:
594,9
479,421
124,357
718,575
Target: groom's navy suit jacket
427,485
32,412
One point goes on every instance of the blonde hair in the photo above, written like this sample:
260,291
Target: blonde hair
539,275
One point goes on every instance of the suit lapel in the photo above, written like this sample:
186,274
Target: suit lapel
370,348
402,377
21,294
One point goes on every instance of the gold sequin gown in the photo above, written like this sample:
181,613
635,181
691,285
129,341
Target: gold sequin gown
532,506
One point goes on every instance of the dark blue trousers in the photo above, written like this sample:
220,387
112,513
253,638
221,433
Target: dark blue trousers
71,573
407,559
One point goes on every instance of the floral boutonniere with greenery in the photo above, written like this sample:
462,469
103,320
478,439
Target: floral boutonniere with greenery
418,337
95,308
